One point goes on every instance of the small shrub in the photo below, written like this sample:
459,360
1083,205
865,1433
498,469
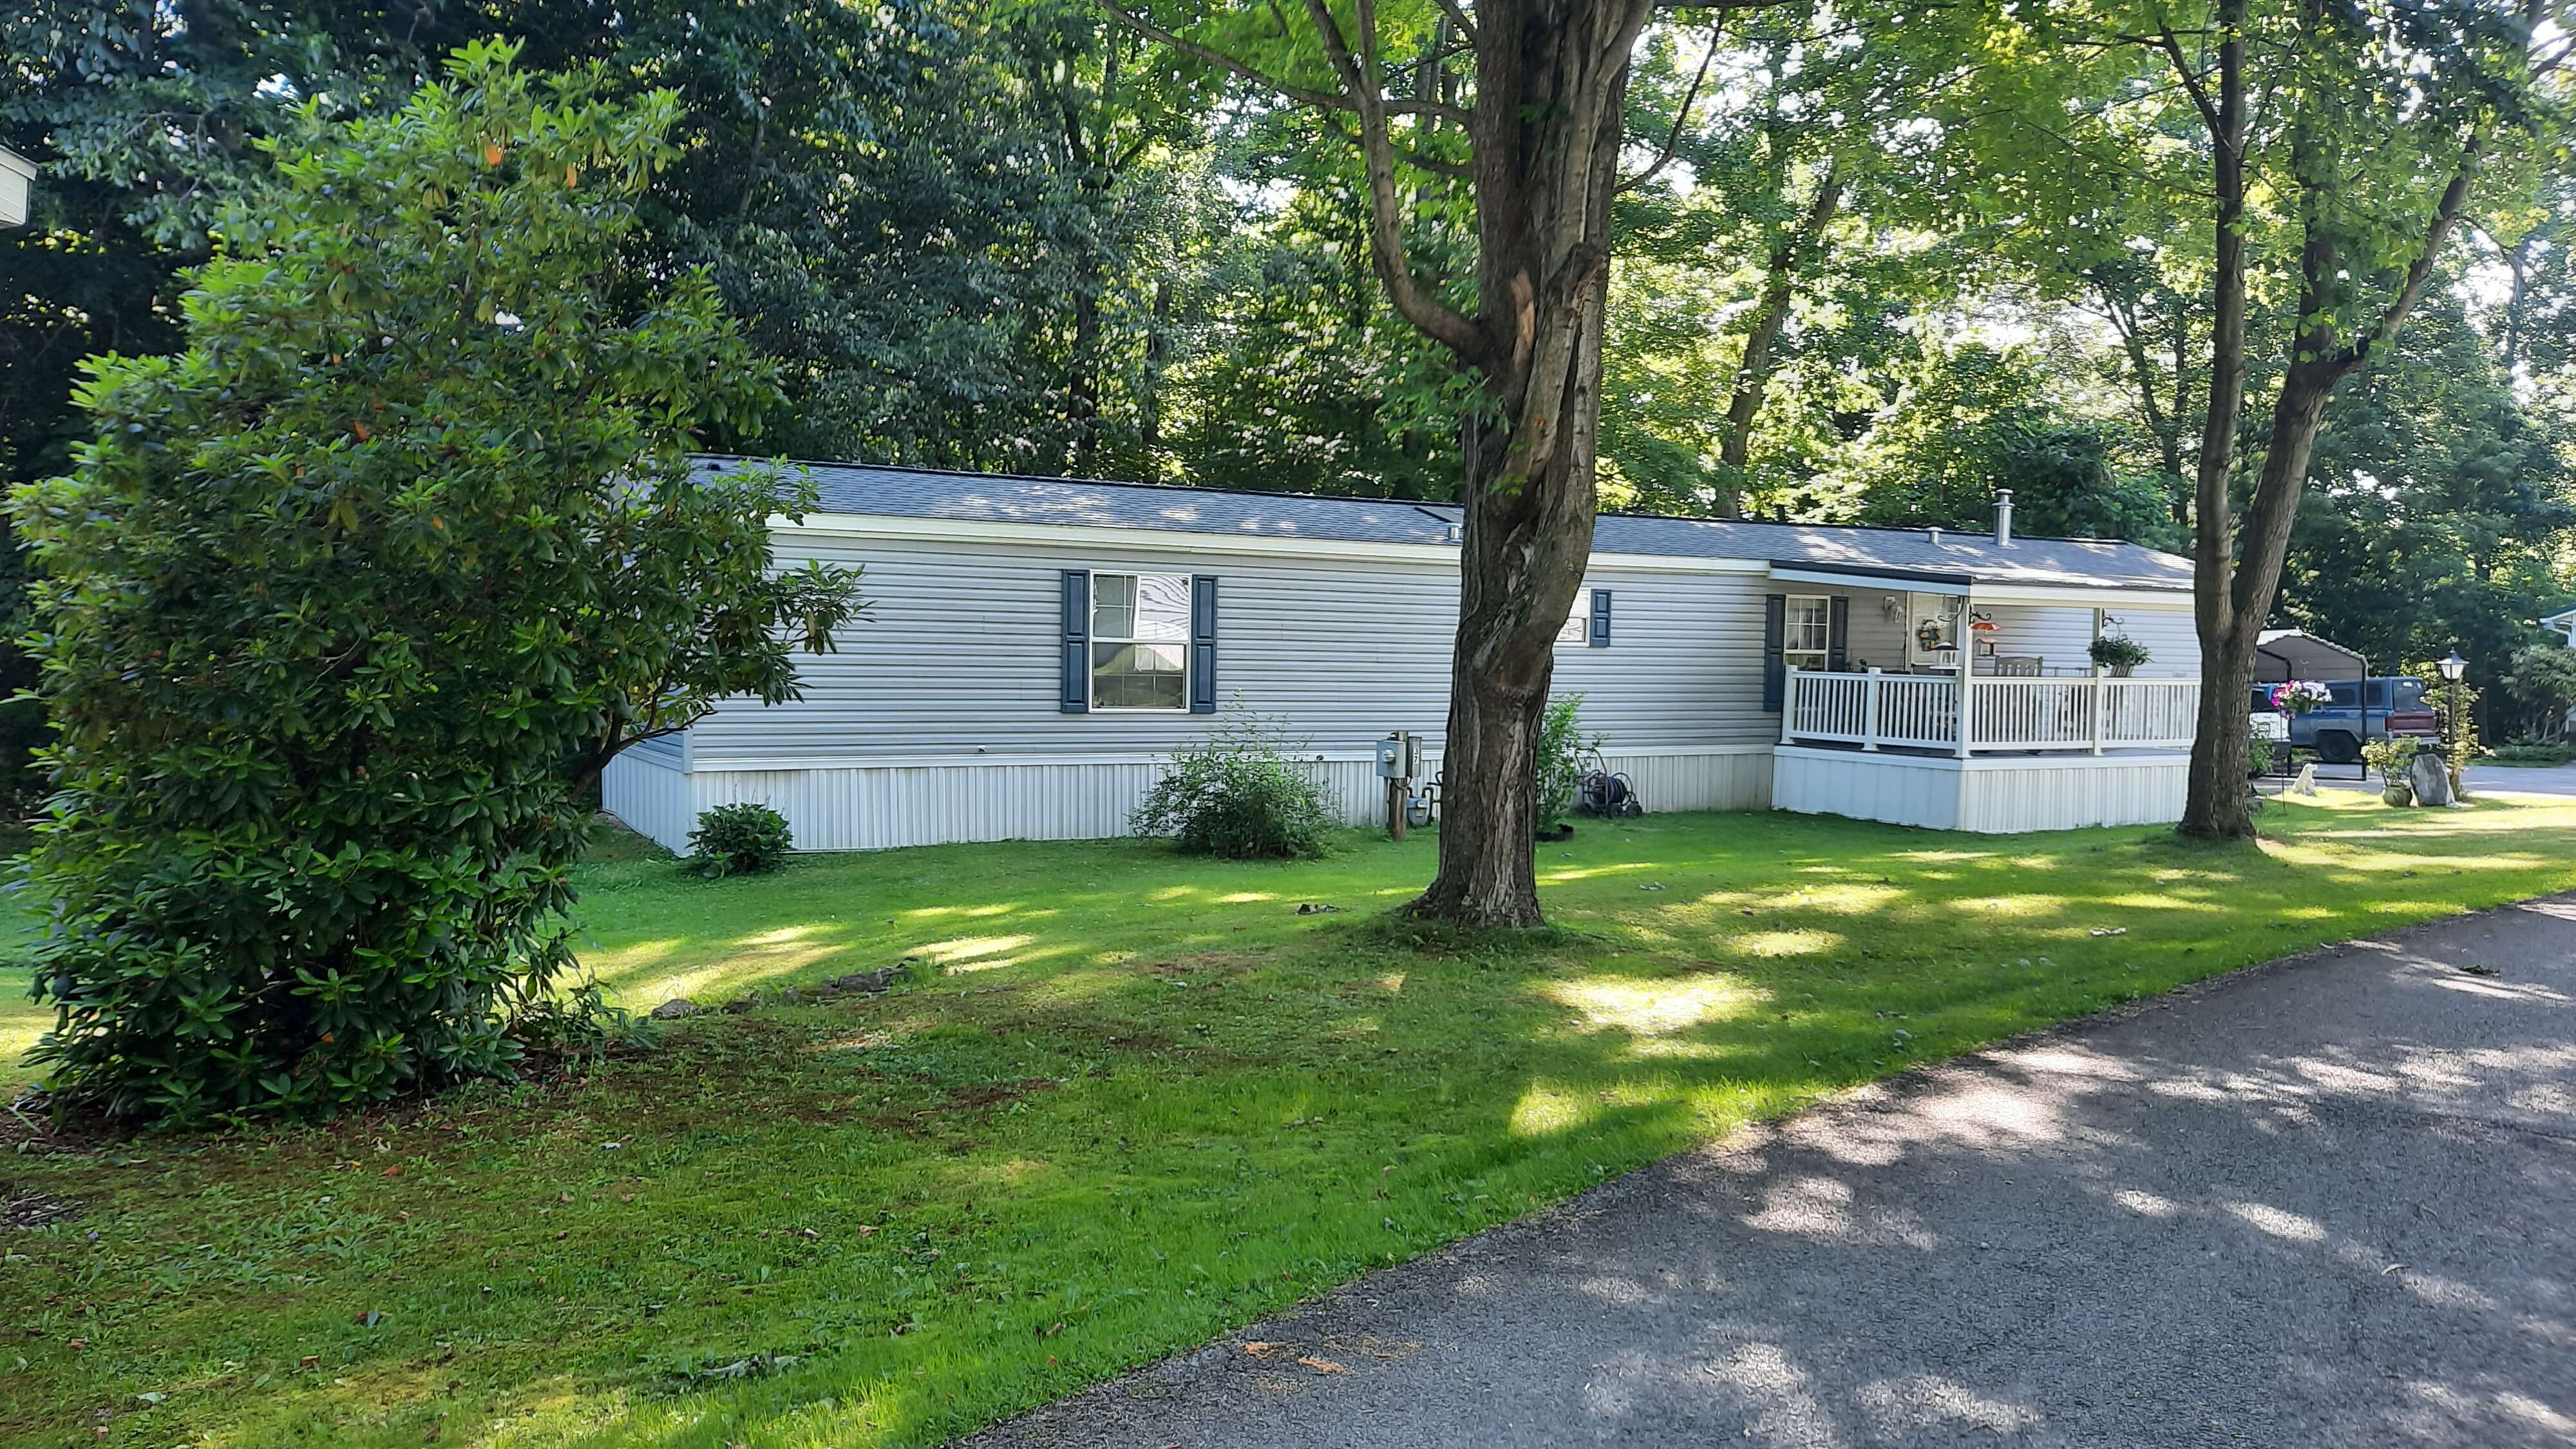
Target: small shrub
2528,753
1239,796
1561,747
743,839
579,1025
2390,757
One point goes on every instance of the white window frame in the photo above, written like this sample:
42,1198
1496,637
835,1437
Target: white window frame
1954,606
1823,653
1093,639
1577,628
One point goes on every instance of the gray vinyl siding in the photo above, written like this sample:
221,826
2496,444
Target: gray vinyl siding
1684,666
2062,636
663,750
958,657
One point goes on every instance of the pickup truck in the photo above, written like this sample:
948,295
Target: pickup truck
2335,729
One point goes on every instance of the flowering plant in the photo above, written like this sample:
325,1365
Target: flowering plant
2300,696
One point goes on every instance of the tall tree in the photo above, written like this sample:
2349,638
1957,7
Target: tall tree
1542,104
2369,126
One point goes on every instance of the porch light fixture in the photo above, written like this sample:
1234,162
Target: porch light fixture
2452,666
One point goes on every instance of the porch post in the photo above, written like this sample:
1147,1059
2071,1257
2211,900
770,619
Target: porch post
1967,674
1788,702
2097,703
1869,712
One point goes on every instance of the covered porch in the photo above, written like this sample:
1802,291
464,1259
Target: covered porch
1973,701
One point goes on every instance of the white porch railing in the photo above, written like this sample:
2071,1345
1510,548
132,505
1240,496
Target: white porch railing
1921,711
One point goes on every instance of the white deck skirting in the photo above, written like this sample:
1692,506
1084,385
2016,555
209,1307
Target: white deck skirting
1989,794
943,801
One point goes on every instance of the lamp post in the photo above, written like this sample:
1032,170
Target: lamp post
2452,667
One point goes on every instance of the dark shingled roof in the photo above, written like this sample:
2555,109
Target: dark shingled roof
1959,557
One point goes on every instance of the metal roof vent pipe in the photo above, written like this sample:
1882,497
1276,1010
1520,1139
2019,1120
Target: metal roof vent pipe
2003,517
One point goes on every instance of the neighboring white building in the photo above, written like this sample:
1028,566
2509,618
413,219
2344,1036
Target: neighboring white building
17,179
2563,625
1037,648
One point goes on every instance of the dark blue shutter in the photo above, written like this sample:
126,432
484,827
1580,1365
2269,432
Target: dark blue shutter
1203,644
1837,632
1073,695
1600,619
1775,634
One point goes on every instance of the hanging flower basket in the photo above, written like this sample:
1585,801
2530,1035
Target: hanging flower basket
2301,696
2118,653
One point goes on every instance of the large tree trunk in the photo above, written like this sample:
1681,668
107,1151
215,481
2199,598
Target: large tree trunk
2235,579
2214,799
1551,80
2217,805
1547,124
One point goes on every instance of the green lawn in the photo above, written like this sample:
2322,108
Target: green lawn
1126,1102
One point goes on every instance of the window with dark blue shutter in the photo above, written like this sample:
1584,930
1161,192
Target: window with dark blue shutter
1073,695
1600,619
1203,644
1775,633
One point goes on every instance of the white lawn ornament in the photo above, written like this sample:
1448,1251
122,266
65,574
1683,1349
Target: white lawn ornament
2306,784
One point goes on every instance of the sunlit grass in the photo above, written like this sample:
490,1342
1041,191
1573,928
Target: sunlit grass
1122,1102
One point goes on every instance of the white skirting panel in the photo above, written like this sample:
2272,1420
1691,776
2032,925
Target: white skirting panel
652,798
879,807
1737,779
1991,794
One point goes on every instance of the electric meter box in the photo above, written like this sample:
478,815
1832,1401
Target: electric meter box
1399,758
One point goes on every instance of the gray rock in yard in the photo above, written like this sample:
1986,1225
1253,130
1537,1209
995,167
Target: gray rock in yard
674,1009
2431,777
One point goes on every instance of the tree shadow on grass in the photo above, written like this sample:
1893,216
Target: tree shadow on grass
1137,1097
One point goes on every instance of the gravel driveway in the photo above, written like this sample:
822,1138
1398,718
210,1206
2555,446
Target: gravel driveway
2327,1202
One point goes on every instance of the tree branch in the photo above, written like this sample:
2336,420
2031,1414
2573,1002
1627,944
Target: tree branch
2166,41
1436,319
1303,95
2446,214
1458,14
1681,117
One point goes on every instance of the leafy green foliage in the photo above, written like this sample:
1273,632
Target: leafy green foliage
2388,758
1562,747
744,838
342,606
2543,678
1238,795
1974,420
2117,651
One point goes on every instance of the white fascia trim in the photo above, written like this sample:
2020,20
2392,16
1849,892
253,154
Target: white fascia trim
1444,556
1980,764
756,763
11,161
2081,597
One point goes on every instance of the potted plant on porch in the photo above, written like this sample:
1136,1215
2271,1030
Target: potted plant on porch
2118,653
